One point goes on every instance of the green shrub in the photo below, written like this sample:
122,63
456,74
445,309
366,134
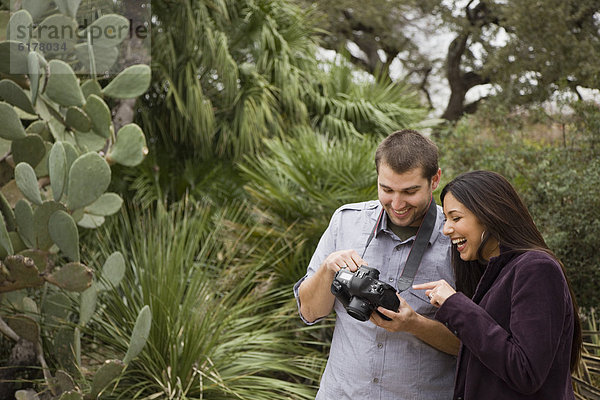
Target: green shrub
556,175
219,329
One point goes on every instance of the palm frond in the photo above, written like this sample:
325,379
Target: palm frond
345,104
296,185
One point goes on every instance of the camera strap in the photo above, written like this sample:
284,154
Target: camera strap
418,247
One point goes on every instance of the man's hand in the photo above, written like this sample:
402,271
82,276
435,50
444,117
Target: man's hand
343,259
428,330
401,321
316,299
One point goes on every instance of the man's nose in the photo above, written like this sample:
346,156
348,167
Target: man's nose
398,202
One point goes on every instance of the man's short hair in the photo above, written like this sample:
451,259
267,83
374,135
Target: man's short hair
406,150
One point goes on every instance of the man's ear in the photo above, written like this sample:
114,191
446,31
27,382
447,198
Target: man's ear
435,180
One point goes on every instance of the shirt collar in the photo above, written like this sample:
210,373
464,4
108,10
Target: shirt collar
383,224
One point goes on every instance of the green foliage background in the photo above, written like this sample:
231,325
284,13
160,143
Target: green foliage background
266,162
254,142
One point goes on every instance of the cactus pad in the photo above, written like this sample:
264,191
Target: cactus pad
74,277
42,168
40,258
90,141
63,232
23,273
27,182
77,119
99,113
62,86
117,23
24,221
41,217
107,204
11,127
17,243
89,177
28,394
90,221
87,305
90,87
139,336
107,373
38,127
5,241
13,94
58,306
63,382
30,307
57,168
104,57
35,7
113,271
130,146
21,18
132,82
12,58
33,70
30,149
45,32
7,213
24,326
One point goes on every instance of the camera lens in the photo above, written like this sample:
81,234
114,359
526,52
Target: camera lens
359,309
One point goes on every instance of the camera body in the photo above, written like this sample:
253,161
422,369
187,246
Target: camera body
361,292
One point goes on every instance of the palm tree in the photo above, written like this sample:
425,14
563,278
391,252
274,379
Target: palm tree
227,74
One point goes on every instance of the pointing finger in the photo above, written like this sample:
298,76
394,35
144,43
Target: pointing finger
428,285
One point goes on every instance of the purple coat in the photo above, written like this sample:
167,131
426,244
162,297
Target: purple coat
515,333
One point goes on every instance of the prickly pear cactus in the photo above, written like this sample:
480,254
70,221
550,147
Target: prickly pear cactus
57,145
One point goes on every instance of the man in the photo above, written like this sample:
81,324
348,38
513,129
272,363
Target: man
410,356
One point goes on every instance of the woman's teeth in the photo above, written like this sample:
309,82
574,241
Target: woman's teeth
460,244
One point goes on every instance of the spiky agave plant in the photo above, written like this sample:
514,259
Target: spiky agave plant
219,330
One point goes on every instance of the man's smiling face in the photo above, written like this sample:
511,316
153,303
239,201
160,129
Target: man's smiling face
405,197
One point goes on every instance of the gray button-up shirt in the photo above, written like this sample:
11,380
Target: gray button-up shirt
366,361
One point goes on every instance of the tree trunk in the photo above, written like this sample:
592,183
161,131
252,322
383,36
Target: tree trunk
21,366
459,82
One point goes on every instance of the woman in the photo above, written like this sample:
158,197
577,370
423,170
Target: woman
514,312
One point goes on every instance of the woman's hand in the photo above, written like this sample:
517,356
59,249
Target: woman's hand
437,291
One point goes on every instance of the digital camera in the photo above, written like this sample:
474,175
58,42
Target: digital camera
361,292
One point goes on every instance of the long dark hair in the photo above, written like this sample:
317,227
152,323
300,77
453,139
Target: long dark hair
498,207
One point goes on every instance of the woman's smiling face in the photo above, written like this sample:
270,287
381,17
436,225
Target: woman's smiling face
465,230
